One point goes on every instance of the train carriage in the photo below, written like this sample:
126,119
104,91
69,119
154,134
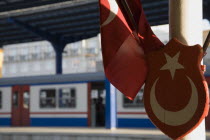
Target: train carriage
64,100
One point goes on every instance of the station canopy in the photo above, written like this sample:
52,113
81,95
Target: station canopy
72,20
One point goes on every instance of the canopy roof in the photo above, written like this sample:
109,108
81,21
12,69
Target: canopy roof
73,20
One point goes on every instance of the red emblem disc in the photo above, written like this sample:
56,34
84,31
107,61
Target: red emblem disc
176,93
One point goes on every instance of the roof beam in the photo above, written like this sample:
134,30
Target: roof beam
54,39
6,1
67,19
72,25
79,36
83,9
43,8
57,41
77,30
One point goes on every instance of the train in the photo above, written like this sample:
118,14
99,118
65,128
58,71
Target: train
68,100
64,100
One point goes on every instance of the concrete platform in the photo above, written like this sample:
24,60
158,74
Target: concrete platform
36,133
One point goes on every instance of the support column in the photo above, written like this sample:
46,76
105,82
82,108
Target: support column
111,106
58,60
185,23
58,42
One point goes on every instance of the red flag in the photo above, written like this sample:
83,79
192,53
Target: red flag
123,54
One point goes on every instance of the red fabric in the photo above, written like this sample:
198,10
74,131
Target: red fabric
124,57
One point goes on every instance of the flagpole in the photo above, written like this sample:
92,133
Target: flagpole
185,24
130,15
130,18
206,43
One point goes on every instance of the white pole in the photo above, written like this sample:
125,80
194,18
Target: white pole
185,24
1,61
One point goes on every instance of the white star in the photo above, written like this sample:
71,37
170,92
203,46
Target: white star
172,64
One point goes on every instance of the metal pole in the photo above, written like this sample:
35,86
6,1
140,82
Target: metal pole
206,43
111,106
1,61
185,23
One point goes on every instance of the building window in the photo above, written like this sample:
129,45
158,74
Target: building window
47,98
47,55
23,57
75,48
91,51
6,59
137,102
67,98
0,99
11,58
34,56
92,46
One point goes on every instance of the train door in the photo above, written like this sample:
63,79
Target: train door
20,106
97,104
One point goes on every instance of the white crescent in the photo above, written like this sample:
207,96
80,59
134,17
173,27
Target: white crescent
179,117
113,12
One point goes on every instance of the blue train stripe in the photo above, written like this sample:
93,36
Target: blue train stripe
5,121
135,123
81,122
78,122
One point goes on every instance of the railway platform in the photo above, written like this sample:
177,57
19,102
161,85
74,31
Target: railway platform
55,133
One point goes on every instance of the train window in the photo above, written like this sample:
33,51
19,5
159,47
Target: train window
26,99
47,98
0,99
15,99
67,98
137,102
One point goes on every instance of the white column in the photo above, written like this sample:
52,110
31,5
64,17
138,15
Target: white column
1,61
185,23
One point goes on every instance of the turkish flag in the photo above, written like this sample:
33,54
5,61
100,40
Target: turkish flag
123,50
176,95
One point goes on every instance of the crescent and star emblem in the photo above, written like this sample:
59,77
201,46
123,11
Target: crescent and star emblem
113,12
178,117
